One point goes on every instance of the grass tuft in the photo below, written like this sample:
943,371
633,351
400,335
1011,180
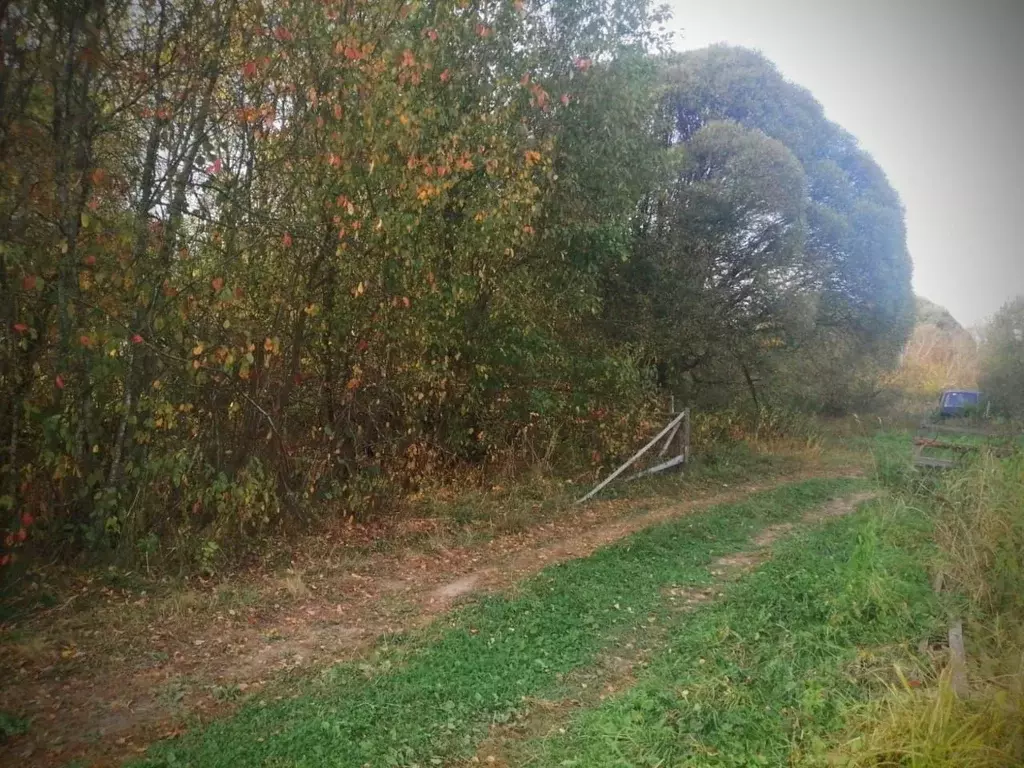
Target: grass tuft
917,726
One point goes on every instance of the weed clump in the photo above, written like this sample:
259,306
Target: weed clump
979,561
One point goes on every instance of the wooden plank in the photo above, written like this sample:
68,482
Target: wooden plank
636,456
954,430
928,461
958,659
686,436
675,461
928,442
668,442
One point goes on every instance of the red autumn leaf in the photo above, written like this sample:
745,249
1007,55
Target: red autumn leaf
405,302
583,64
214,168
217,284
98,175
27,519
249,69
4,560
352,53
137,339
540,95
446,76
85,341
90,260
28,282
408,59
286,241
20,327
362,345
59,381
483,30
565,99
282,34
432,34
21,535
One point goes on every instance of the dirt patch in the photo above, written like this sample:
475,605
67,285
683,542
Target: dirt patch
615,672
100,683
457,588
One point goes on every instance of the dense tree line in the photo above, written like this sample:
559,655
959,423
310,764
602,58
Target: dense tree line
775,259
263,258
1002,361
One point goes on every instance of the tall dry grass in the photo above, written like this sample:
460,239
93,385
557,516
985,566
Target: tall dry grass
979,530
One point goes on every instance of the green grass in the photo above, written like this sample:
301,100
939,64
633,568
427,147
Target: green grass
430,698
766,676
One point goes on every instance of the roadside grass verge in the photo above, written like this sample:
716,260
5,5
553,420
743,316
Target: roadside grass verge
979,561
429,698
466,515
539,497
766,675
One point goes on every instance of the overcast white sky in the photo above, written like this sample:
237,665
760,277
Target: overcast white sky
934,90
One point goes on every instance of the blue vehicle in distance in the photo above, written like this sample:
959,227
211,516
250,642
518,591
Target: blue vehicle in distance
958,402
